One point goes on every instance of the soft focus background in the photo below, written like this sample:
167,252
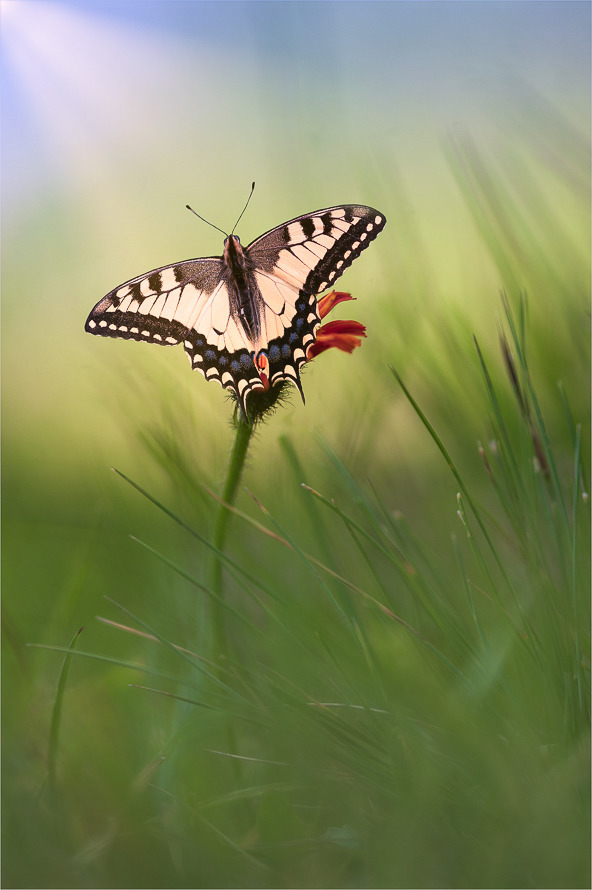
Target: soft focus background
467,125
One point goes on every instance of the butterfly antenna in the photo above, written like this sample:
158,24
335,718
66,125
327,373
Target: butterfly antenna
244,208
207,221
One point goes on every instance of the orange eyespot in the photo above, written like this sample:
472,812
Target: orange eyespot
262,364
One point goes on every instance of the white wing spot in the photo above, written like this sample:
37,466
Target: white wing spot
157,337
355,245
378,220
346,254
102,324
123,328
145,333
112,327
134,331
171,340
188,344
92,324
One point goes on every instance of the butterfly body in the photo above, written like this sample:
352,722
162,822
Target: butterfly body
245,297
247,318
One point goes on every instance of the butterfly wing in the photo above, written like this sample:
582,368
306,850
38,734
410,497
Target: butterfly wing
185,303
297,261
158,306
310,252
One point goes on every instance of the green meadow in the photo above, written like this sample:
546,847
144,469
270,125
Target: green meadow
369,667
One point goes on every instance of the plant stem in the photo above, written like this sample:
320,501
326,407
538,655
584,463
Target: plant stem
220,642
244,432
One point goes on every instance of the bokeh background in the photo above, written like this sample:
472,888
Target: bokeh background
466,124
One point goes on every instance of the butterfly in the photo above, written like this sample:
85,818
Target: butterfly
247,318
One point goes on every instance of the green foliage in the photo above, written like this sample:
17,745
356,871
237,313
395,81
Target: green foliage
372,668
386,713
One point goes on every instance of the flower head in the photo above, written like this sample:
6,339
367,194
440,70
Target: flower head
345,335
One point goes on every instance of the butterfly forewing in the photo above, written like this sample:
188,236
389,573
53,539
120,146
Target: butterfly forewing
311,251
198,302
159,306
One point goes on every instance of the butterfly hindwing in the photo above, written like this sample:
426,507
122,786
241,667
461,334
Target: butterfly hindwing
236,369
227,314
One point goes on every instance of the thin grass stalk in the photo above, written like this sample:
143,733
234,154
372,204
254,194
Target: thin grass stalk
305,559
455,472
574,579
535,404
54,730
229,563
118,662
583,476
195,662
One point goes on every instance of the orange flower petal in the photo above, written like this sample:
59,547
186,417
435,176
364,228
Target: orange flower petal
344,335
330,300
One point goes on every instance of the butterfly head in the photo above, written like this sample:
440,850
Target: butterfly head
234,255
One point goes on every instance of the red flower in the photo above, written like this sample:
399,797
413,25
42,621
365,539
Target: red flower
344,335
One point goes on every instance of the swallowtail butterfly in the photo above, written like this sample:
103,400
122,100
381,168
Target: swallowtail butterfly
246,318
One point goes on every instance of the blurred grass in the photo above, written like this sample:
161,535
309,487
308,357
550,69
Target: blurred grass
408,686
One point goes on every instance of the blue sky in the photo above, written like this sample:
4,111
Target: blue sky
234,74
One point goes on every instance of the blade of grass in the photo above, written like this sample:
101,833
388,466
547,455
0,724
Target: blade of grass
537,410
219,553
300,553
56,715
453,468
192,580
572,429
180,652
118,662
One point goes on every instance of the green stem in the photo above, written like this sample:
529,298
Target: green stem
220,642
244,432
